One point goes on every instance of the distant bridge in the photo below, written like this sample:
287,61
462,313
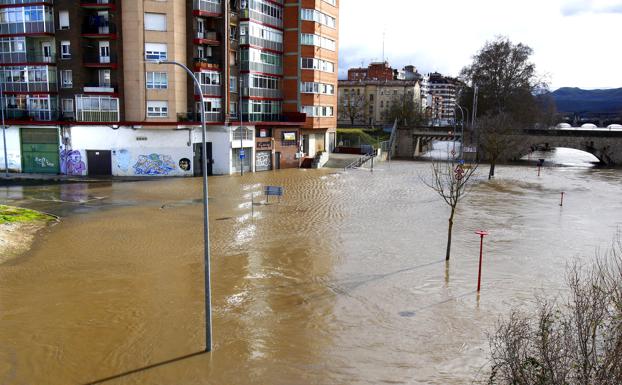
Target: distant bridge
600,119
604,144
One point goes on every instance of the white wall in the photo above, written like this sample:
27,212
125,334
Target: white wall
13,150
220,137
140,152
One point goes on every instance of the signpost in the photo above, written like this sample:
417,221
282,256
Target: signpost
274,191
481,234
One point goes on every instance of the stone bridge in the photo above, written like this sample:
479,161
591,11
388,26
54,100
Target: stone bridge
606,145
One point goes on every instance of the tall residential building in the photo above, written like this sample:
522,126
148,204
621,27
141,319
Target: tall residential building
440,94
83,93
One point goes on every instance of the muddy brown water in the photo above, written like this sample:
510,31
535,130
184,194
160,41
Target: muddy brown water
343,282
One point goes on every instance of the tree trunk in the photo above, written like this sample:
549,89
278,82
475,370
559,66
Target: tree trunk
449,229
491,173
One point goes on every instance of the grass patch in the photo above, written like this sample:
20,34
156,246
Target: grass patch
10,214
354,136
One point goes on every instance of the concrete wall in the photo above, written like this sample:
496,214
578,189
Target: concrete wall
13,150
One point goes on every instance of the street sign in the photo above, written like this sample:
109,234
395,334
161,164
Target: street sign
242,153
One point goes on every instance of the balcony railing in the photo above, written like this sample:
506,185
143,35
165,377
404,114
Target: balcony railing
206,63
30,87
196,117
259,42
36,115
97,116
97,4
261,17
26,57
97,87
207,6
213,36
261,67
99,29
262,93
95,60
211,89
27,27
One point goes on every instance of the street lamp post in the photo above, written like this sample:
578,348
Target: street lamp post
2,105
206,250
461,131
241,124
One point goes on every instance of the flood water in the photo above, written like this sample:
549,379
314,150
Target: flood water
343,282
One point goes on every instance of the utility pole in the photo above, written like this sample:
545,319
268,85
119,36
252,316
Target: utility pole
241,126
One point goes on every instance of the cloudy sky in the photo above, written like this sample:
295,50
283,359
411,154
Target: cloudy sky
576,43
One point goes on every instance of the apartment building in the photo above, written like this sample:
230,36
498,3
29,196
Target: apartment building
440,94
84,93
367,102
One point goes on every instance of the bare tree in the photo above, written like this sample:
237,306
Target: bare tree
576,342
450,180
405,109
353,107
496,138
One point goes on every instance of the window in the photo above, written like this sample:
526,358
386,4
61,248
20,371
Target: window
318,111
317,88
65,49
331,2
233,84
67,107
155,51
155,22
157,80
66,79
318,17
157,109
63,19
318,41
317,64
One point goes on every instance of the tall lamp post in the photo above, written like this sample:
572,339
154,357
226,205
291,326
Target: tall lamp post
461,131
206,251
241,126
2,105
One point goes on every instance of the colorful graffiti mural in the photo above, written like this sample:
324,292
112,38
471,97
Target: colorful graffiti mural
71,162
154,164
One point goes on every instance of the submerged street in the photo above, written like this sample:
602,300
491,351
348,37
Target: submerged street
342,282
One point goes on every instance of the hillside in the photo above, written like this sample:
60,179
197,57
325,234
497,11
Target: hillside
578,100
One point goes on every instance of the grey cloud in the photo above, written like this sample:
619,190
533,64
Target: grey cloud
577,7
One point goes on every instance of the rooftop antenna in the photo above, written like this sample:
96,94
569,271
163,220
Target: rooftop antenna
383,36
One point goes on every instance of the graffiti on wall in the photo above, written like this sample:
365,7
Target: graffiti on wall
123,160
154,164
262,159
14,161
71,162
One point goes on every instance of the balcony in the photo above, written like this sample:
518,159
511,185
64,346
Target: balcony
97,108
207,8
207,38
196,117
206,64
98,4
99,88
96,29
96,61
28,57
251,14
31,115
259,42
263,93
34,86
261,67
211,90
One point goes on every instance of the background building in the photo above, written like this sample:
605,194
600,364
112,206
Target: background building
83,94
440,94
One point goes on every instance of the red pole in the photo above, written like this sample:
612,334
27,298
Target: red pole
562,201
482,234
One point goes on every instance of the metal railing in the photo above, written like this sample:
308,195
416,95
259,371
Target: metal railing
261,67
97,116
30,87
210,89
261,17
361,161
207,6
256,41
105,28
262,93
27,57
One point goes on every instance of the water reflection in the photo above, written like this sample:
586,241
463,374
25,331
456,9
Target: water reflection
342,282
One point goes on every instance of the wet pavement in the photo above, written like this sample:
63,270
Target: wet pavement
343,282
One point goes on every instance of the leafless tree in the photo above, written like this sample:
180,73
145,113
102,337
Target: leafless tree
352,107
496,138
577,341
451,180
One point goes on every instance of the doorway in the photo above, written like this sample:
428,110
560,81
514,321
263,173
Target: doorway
99,162
277,160
197,167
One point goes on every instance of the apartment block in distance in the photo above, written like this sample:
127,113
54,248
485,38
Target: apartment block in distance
84,94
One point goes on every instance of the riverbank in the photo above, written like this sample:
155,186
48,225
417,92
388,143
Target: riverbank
18,227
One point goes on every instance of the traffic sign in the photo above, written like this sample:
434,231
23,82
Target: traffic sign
242,153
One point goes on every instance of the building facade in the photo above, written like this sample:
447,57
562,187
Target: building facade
84,94
439,93
367,102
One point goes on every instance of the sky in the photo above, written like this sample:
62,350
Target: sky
576,43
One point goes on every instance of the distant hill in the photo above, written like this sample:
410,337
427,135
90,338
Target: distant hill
577,100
